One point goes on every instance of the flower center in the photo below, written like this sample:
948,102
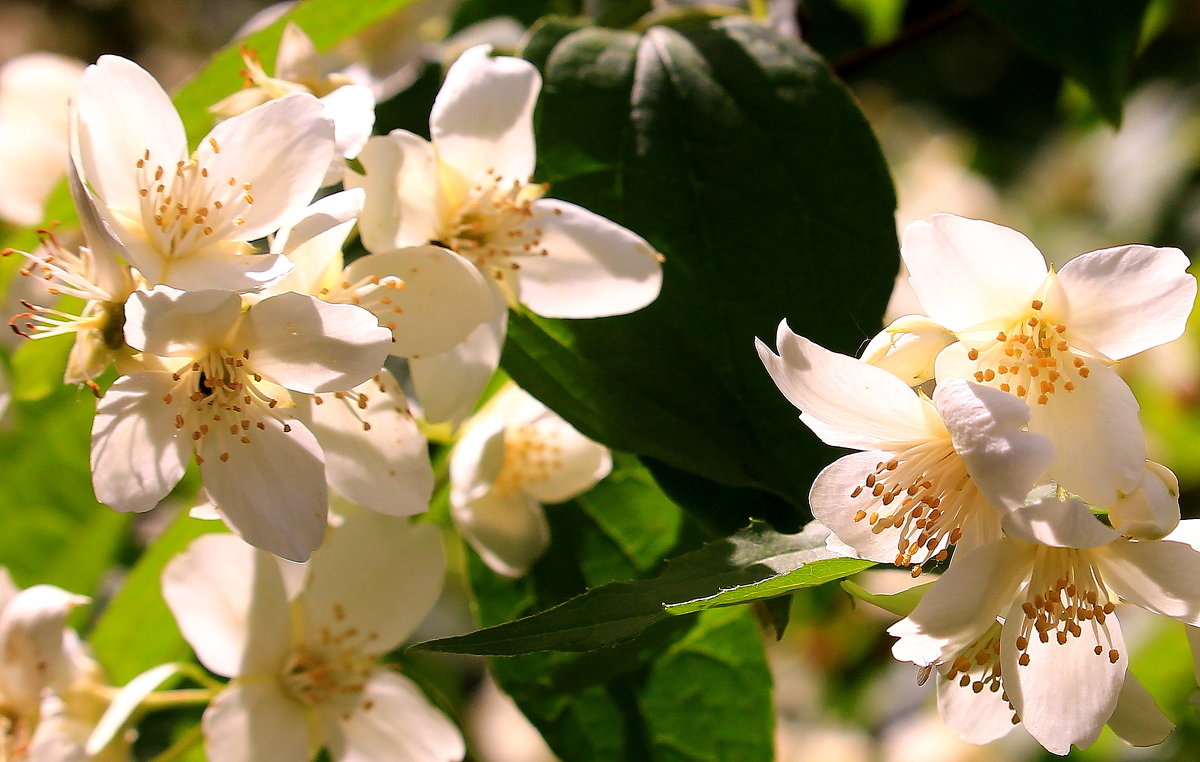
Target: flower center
335,668
978,667
1066,597
183,208
530,455
373,292
927,494
218,390
490,229
1032,360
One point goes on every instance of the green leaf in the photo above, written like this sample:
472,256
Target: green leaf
54,530
137,630
616,704
739,156
1092,41
901,603
754,564
37,367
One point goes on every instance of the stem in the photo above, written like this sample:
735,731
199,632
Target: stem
176,698
182,744
849,65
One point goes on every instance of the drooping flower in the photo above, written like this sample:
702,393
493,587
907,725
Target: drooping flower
306,671
1049,338
469,189
299,69
187,220
224,393
1057,580
514,455
908,348
932,474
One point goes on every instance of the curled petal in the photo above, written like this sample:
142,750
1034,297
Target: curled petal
1152,510
507,529
1059,524
402,182
1159,576
908,348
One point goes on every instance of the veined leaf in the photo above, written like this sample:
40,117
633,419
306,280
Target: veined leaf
754,564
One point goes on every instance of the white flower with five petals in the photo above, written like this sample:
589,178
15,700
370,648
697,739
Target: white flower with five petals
1049,338
306,671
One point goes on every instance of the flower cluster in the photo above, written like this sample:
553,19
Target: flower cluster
213,279
996,438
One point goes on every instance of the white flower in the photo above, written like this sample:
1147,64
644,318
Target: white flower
34,90
299,69
514,455
908,348
469,189
1049,338
186,221
225,395
1056,580
306,671
932,474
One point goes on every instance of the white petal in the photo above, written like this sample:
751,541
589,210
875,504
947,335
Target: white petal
229,603
171,323
847,402
282,149
317,263
980,717
1137,718
223,268
1059,524
448,385
1159,576
310,346
967,598
1152,510
1098,441
1067,692
477,457
832,506
985,426
272,491
344,587
297,58
908,347
442,298
483,115
593,268
323,215
403,185
374,453
251,722
123,112
970,273
125,703
351,108
31,645
137,454
576,462
107,271
508,530
1130,298
400,725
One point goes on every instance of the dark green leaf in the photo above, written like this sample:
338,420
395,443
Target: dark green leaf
1092,41
737,154
754,564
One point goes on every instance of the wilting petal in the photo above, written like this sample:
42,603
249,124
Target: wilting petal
400,725
1067,691
255,721
593,267
375,455
122,113
344,583
1129,298
967,598
1098,441
847,402
402,182
985,426
441,298
1159,576
507,529
282,149
31,644
483,115
1059,524
172,323
908,347
448,385
969,273
1137,718
229,603
310,346
271,491
1152,510
138,455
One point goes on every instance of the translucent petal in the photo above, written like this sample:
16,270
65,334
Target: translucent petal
255,721
448,385
507,529
403,185
1137,718
1159,576
1152,510
394,722
171,323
